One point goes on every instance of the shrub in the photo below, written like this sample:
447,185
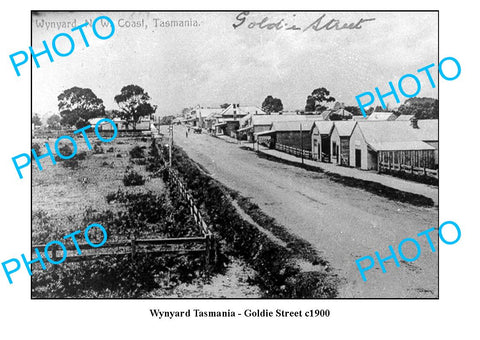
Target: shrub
71,163
36,147
65,150
81,156
119,155
137,152
97,148
133,178
110,149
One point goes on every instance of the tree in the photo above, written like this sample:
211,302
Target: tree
224,106
77,105
317,100
36,120
186,110
421,108
53,122
310,105
354,110
134,104
166,120
271,104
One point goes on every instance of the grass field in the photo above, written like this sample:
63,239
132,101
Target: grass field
66,193
65,198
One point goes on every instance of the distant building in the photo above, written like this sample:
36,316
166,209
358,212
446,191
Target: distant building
253,124
382,116
122,125
293,134
228,121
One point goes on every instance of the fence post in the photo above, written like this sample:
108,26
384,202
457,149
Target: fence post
207,256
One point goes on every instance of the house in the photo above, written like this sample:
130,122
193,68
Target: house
250,125
293,134
321,133
122,125
382,116
335,114
427,131
228,121
396,145
340,142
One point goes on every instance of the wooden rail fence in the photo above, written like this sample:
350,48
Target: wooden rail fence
384,166
293,151
153,246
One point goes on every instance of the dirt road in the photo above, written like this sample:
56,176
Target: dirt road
343,223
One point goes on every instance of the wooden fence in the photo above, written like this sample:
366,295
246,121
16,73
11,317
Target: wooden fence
293,151
154,246
386,166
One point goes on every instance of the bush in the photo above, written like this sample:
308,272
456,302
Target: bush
110,149
97,148
65,150
133,178
71,163
137,152
36,147
119,155
81,156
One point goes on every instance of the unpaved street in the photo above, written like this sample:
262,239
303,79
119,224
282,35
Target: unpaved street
343,223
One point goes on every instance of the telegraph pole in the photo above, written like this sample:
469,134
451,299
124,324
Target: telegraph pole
170,128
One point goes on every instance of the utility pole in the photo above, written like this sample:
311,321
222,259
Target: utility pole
170,128
301,140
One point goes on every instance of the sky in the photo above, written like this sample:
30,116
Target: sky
214,63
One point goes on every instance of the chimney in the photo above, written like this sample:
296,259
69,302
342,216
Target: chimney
414,123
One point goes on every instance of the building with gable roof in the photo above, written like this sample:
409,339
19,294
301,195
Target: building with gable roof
340,142
321,133
392,145
382,116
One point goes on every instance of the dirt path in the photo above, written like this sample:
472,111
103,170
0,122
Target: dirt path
343,223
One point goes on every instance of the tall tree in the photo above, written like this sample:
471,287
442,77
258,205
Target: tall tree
421,108
77,105
318,100
36,120
354,110
271,104
310,105
134,104
53,122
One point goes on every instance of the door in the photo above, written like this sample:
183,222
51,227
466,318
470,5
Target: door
319,152
358,158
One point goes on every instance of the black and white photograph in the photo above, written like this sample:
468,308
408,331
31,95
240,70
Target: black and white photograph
253,170
235,154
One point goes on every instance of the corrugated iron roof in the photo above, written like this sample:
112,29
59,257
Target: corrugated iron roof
324,126
345,127
427,129
269,119
306,125
382,116
395,146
